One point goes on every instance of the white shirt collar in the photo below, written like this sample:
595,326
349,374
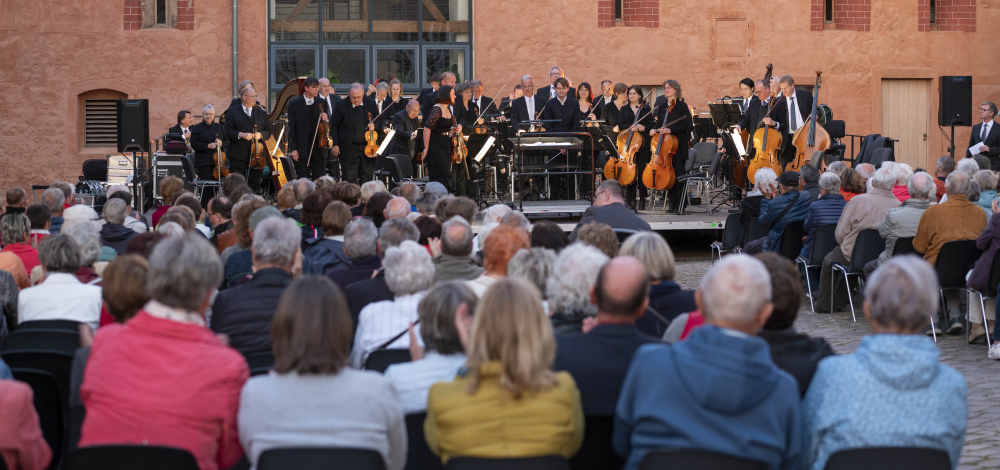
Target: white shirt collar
309,101
246,109
562,100
61,278
165,312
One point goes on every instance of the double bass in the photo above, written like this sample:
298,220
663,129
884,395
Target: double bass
659,173
766,141
811,138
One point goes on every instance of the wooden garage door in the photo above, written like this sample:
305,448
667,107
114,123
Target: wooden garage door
905,116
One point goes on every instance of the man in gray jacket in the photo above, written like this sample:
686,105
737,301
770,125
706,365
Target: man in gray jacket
456,248
902,221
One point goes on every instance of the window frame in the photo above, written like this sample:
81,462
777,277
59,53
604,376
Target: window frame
149,8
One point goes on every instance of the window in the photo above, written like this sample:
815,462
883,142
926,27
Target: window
159,13
933,4
98,118
828,11
618,9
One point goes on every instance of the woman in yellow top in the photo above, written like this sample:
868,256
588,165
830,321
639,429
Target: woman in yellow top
507,402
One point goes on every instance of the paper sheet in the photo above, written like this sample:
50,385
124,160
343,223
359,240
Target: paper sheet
974,150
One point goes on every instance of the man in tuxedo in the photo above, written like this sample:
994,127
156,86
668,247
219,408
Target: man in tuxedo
527,107
447,79
482,102
607,95
304,113
987,135
244,123
565,110
549,92
793,108
405,124
328,95
183,127
351,118
206,137
428,93
756,112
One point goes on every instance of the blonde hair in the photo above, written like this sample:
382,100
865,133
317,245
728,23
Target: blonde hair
511,328
654,253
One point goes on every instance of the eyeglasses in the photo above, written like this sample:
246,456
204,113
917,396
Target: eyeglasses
984,110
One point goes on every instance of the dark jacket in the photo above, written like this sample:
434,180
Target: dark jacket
567,321
310,233
824,211
237,122
770,209
116,236
616,215
238,265
219,230
245,312
989,243
348,125
451,268
302,121
404,126
201,136
361,269
598,361
749,208
360,294
669,300
992,141
323,255
519,111
567,114
549,91
796,353
812,189
55,224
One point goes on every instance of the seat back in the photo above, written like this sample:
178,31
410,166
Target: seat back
824,241
623,234
187,164
597,452
289,167
24,339
320,458
754,230
715,166
54,362
880,155
67,325
903,246
548,462
867,247
731,232
48,404
405,165
889,458
380,360
704,151
954,262
791,240
418,454
991,289
260,362
130,457
836,129
668,459
689,163
392,166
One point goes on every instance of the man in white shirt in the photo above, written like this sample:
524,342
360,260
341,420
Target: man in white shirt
183,127
795,106
987,135
61,296
549,92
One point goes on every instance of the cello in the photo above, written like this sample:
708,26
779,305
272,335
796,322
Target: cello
629,143
659,173
813,139
766,141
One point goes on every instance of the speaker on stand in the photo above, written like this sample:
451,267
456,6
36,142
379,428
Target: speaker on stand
954,104
133,136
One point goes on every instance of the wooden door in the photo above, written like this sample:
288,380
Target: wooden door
905,117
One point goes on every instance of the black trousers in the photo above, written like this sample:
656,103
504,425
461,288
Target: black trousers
311,169
459,179
354,165
242,167
788,154
630,190
332,164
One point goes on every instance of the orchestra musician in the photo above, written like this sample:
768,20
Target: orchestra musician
206,137
245,122
447,79
482,102
526,107
239,93
549,92
381,103
466,112
756,112
747,92
351,118
591,112
565,111
613,110
396,101
183,127
507,101
793,108
428,93
327,94
680,129
626,116
607,96
438,125
405,124
585,97
304,113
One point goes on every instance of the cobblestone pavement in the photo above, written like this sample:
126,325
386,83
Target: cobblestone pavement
982,376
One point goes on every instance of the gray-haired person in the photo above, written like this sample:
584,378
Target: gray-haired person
207,138
61,296
114,233
455,262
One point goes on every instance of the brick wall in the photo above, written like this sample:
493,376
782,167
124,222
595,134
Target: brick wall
849,15
951,15
635,13
185,15
133,15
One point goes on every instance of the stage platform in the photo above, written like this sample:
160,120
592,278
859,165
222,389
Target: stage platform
567,214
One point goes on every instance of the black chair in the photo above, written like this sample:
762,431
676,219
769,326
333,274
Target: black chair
320,458
74,423
597,452
753,232
130,457
400,170
289,167
889,458
380,360
989,293
623,234
868,146
260,362
824,241
686,191
954,261
730,236
548,462
880,155
187,161
56,363
418,454
791,240
867,246
67,325
903,246
668,459
837,131
49,405
24,339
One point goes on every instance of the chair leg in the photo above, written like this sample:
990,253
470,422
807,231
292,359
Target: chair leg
933,333
685,194
833,290
812,306
986,323
850,298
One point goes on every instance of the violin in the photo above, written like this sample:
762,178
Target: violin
257,151
811,138
766,141
323,131
371,140
659,173
629,143
220,171
539,127
481,128
458,149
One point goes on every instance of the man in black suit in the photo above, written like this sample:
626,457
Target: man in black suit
206,137
428,93
987,135
527,107
549,92
609,208
794,107
482,102
183,127
327,94
405,124
756,112
447,79
351,118
565,110
244,123
304,113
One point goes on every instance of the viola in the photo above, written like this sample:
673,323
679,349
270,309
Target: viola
659,173
220,171
257,152
766,141
811,138
323,130
371,141
458,148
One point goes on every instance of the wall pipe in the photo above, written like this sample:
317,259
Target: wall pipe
236,48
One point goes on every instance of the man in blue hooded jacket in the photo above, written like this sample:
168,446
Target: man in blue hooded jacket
780,208
718,390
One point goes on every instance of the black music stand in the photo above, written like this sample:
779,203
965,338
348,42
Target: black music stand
546,141
704,128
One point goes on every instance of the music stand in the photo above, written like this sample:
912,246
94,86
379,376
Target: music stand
703,128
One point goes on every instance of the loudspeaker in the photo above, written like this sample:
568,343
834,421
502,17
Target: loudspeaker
955,106
133,125
166,165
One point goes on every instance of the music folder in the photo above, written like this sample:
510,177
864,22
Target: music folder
385,142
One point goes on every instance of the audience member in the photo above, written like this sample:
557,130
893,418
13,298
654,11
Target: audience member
693,395
429,228
517,220
69,193
231,183
461,206
837,167
143,244
978,279
301,189
350,194
436,189
864,211
22,446
944,166
16,202
894,391
987,181
609,208
312,398
764,180
445,316
495,213
375,207
312,217
903,173
535,265
441,205
568,288
411,192
374,288
220,216
426,203
546,234
198,213
866,171
133,218
244,313
509,403
171,228
500,246
455,262
779,210
902,221
809,181
327,254
600,236
87,235
370,188
114,233
170,188
41,219
851,184
361,246
239,263
181,216
982,161
397,208
666,298
825,210
285,199
15,233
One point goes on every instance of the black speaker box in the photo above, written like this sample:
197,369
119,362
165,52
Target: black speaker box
133,125
955,106
168,165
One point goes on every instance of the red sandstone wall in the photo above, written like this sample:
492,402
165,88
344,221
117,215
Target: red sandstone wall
53,50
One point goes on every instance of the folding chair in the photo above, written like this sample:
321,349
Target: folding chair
549,462
597,452
730,236
823,243
990,293
791,240
380,360
867,247
320,458
889,458
953,263
690,459
259,362
191,176
418,453
130,457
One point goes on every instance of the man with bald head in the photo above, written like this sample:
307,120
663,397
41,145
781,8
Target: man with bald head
405,124
352,117
244,123
599,359
397,208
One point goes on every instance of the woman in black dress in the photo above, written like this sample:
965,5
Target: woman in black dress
680,129
626,118
438,125
581,158
612,110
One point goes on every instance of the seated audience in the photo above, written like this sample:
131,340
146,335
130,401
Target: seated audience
375,207
968,166
397,208
410,191
327,253
666,298
16,203
326,183
445,316
978,279
425,204
180,215
239,265
954,219
500,246
508,403
374,288
599,358
987,181
719,390
455,262
312,217
61,296
793,352
133,218
170,188
600,236
41,219
866,171
244,313
114,233
902,221
944,166
167,343
609,208
15,233
53,198
285,199
409,272
350,194
864,211
851,184
361,246
370,188
782,206
220,215
436,189
197,212
568,288
825,210
231,183
170,228
495,213
461,206
143,244
894,391
903,173
546,234
312,398
535,265
517,220
809,181
764,179
429,228
442,204
301,189
22,446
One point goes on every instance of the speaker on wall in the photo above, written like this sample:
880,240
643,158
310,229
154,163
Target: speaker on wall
133,125
955,106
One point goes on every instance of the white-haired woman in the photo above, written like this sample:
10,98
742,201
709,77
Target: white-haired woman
903,173
207,138
987,181
764,180
568,288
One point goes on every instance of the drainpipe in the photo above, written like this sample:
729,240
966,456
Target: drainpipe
236,48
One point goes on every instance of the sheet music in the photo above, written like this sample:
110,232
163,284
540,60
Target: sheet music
738,141
486,148
974,150
385,142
